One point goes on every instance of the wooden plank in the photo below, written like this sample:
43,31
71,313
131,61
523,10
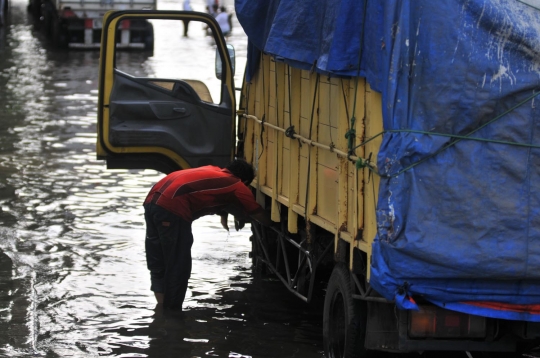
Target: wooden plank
260,138
327,163
294,168
313,151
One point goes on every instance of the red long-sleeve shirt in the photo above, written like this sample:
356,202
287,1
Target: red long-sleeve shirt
192,193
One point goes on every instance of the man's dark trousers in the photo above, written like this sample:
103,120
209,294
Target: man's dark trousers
168,254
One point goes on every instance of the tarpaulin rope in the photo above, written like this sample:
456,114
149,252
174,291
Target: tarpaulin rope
457,137
467,136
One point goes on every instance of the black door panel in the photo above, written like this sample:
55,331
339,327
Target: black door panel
143,114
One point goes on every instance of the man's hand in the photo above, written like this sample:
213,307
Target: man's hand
224,218
239,224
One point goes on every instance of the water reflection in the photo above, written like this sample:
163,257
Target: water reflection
73,280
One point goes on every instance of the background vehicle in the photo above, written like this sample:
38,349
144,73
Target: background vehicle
379,152
77,24
4,4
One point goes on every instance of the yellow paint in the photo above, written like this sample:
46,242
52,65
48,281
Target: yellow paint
294,149
314,182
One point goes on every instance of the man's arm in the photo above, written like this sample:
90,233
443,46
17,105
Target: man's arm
262,217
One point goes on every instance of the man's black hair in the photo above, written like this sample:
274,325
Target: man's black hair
243,170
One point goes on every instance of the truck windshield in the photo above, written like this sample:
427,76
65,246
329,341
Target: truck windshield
172,55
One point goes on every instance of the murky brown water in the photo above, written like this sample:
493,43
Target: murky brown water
73,279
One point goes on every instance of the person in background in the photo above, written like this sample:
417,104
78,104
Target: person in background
224,21
174,203
212,6
187,7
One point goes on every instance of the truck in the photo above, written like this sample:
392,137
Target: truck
77,24
396,149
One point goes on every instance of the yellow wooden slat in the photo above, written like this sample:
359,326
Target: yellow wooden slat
294,177
327,167
260,137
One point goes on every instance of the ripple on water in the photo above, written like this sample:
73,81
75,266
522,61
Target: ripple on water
74,280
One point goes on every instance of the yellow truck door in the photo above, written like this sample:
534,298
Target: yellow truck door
153,111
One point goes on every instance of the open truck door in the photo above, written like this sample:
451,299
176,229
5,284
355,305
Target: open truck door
154,110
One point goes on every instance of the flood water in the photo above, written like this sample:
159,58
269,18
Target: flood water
73,279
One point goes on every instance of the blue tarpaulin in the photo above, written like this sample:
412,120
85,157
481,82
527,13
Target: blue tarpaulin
459,201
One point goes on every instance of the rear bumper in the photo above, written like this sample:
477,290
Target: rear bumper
388,329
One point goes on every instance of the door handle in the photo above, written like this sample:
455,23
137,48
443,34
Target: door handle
179,110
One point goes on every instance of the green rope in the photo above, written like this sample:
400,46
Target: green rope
464,137
361,163
457,138
351,135
467,136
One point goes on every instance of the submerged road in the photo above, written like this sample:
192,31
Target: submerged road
73,280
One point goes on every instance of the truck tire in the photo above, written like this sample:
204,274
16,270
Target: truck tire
344,318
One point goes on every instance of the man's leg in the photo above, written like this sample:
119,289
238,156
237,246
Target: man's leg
168,253
178,269
154,255
159,297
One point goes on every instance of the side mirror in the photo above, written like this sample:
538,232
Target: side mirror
219,64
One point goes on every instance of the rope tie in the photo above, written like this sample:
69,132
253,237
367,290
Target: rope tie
332,147
261,138
351,135
361,163
289,132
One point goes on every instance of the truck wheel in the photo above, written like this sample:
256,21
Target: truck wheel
344,318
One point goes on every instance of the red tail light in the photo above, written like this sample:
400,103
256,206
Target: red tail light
125,24
88,23
435,322
67,13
